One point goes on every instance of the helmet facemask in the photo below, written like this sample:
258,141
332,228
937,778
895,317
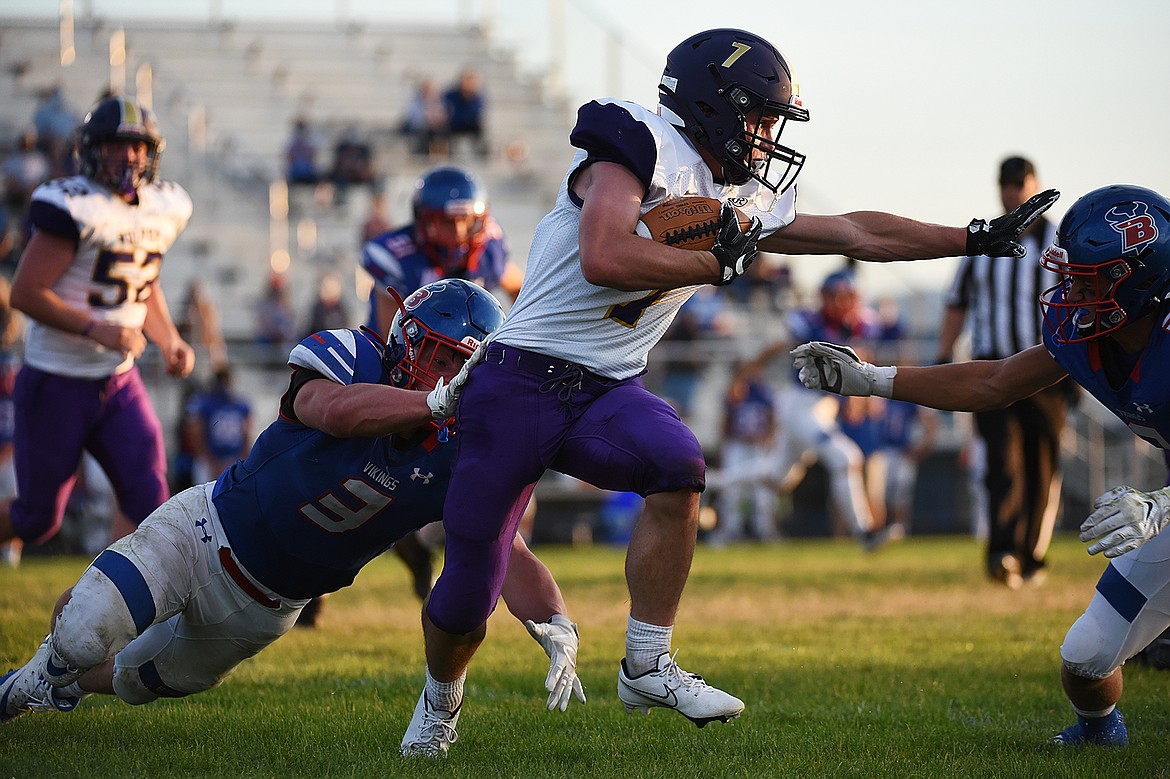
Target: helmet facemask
101,145
453,237
733,94
1096,310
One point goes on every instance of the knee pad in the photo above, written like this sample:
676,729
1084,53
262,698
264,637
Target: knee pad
95,624
470,585
139,684
1092,646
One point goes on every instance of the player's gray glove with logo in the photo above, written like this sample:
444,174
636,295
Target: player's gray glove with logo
559,639
997,238
827,366
734,248
444,398
1124,518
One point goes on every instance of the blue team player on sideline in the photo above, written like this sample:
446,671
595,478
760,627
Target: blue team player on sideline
1106,324
359,456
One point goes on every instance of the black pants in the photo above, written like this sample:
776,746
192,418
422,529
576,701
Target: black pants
1023,477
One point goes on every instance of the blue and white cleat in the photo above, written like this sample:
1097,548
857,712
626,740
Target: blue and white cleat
1108,731
26,689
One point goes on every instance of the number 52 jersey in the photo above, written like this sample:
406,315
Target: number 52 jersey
120,247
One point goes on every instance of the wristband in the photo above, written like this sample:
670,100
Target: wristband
89,328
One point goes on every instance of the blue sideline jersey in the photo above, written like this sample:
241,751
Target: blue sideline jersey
305,511
1142,401
395,260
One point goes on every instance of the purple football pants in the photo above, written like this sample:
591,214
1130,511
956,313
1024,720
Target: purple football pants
57,417
521,414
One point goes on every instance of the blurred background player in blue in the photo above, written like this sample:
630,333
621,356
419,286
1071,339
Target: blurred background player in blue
220,421
222,569
452,235
88,283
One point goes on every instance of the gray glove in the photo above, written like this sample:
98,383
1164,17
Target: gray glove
827,366
444,398
1124,518
558,637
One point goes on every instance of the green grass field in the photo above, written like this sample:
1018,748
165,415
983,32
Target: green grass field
903,663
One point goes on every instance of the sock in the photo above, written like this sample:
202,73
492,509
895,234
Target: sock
645,643
72,690
1094,717
445,696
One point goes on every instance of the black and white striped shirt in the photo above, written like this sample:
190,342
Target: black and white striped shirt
1001,297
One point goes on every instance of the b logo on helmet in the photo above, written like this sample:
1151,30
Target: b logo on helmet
416,298
1135,224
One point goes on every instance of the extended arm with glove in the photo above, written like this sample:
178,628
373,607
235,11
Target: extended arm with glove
1124,518
997,238
734,248
559,639
838,369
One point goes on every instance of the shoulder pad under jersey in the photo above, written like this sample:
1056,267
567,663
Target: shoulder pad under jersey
344,356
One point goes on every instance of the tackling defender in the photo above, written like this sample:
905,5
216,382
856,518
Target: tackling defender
88,281
1107,324
559,386
359,456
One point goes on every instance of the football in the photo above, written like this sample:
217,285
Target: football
685,223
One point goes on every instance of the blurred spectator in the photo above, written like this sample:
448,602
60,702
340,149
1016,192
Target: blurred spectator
24,169
11,331
55,123
426,121
353,160
908,435
199,324
276,320
377,221
328,311
301,155
747,462
220,427
680,360
464,103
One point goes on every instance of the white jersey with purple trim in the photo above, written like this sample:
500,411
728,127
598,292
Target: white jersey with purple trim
611,331
119,252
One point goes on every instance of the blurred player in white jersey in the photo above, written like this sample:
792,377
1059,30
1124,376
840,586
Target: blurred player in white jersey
560,387
88,281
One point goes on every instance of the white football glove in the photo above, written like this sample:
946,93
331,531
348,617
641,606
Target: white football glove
559,639
444,398
1124,518
838,369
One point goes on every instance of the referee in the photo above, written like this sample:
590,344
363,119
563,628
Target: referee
997,298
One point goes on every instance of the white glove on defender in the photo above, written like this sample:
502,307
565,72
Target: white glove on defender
838,369
1124,518
445,396
559,639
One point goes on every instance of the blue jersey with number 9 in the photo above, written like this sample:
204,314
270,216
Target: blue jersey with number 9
305,511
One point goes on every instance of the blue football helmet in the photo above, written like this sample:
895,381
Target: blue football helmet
119,118
450,312
1112,251
719,82
450,216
